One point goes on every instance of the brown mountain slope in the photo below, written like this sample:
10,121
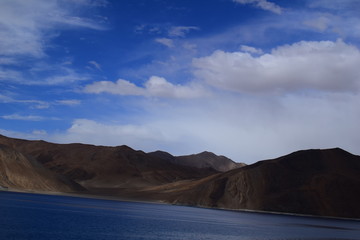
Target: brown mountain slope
20,172
315,182
201,160
105,167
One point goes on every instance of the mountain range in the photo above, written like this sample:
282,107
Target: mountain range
313,182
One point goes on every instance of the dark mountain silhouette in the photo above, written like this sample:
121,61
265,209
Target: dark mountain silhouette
100,167
316,182
200,160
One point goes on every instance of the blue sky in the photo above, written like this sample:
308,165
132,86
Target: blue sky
248,79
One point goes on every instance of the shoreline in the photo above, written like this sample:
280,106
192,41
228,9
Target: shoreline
86,195
124,199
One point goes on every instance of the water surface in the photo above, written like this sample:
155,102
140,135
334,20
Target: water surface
36,216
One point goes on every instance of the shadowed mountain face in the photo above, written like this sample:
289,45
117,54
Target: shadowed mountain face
316,182
20,172
105,167
200,160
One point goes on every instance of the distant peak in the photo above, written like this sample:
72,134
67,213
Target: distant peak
335,150
207,153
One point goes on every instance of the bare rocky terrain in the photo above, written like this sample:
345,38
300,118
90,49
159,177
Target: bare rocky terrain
23,173
201,160
314,182
105,168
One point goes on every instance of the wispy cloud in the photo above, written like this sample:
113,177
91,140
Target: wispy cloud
348,5
10,75
33,103
26,34
95,65
69,102
250,49
7,61
320,23
263,4
38,104
69,76
181,31
27,25
23,117
166,42
42,74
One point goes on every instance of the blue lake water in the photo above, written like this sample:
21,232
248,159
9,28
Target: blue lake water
36,216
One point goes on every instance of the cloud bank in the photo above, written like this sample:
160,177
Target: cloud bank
306,65
287,99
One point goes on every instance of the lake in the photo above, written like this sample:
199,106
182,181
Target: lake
37,216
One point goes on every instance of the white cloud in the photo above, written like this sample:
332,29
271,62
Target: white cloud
22,117
27,25
10,75
34,103
166,42
340,17
90,3
69,102
88,131
320,23
263,4
44,74
335,4
69,76
26,30
154,87
234,126
38,104
190,46
323,65
250,49
343,23
121,87
181,31
159,87
5,99
39,133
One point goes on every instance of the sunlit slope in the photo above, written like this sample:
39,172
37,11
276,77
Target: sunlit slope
25,173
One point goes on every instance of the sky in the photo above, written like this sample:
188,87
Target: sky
247,79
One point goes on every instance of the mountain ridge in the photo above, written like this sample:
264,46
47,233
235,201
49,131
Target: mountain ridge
204,159
105,167
321,182
314,182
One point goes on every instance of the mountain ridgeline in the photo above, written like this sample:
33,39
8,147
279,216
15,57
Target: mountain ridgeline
111,168
315,182
200,160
